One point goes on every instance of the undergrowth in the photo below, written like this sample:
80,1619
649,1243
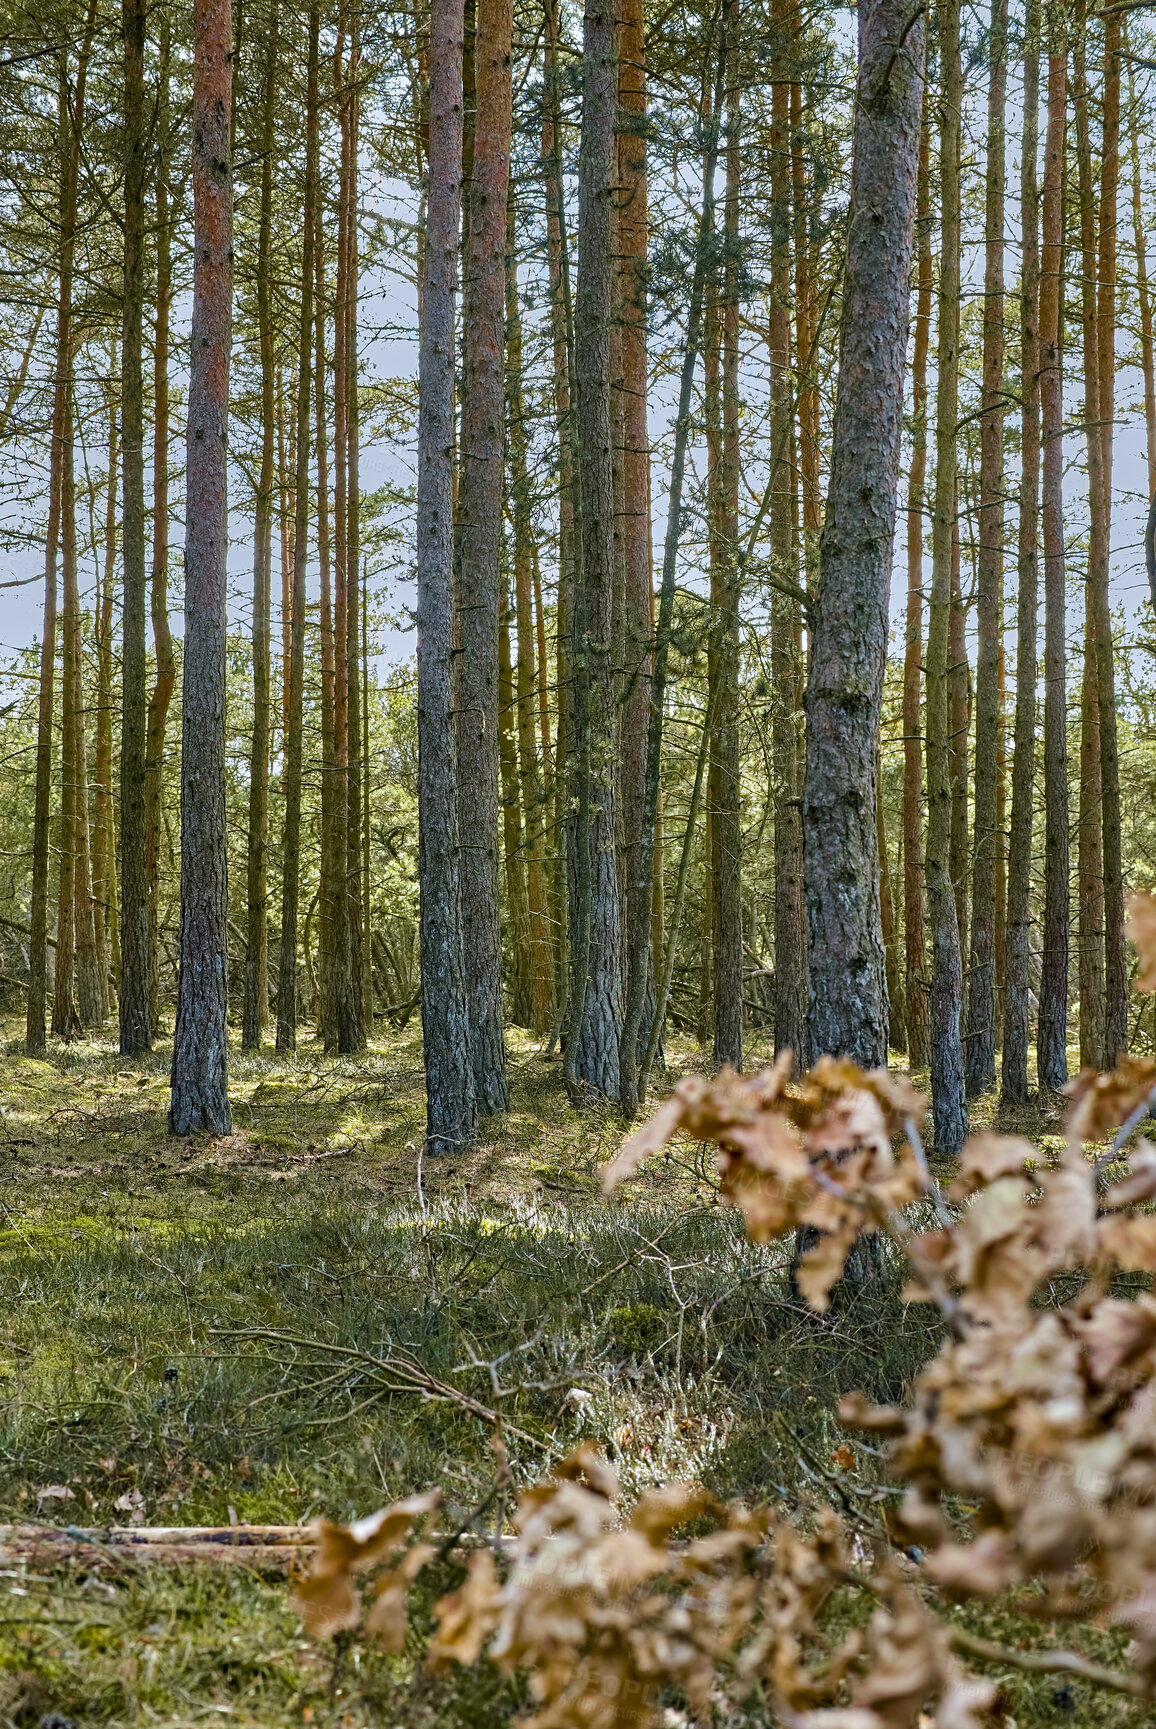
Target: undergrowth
164,1301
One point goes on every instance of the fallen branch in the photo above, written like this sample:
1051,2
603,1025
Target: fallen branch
279,1544
409,1377
1049,1663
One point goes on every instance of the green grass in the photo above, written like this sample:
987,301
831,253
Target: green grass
141,1277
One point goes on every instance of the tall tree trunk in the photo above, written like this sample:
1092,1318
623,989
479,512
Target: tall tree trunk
327,897
449,1078
947,1083
540,1005
366,819
200,1098
70,115
285,461
291,845
805,330
256,988
61,429
1143,295
790,912
562,340
65,1020
103,832
359,1011
34,1035
135,1017
88,995
914,938
981,1015
847,1009
633,226
725,798
347,1024
514,857
600,992
959,734
647,862
1014,1073
1115,963
1052,1032
1090,844
166,667
479,530
896,1032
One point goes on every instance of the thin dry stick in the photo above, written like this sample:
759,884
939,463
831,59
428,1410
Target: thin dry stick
1049,1663
413,1378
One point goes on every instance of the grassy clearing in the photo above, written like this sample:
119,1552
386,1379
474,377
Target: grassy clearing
163,1301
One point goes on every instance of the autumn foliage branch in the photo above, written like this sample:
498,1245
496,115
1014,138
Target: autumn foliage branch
1028,1451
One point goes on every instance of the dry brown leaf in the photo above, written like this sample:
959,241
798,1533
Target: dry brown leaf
586,1465
1140,1183
650,1138
965,1702
325,1597
386,1621
857,1412
1116,1333
987,1157
1130,1242
1102,1102
661,1511
906,1658
821,1268
982,1568
468,1616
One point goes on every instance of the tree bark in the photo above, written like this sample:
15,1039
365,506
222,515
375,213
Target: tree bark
1090,843
847,1010
1014,1072
600,992
981,998
1052,1060
35,1040
569,525
790,911
539,971
87,975
326,897
479,527
914,938
947,1082
513,853
357,1011
65,1020
256,982
291,841
1115,962
135,1017
103,836
959,735
647,934
450,1105
1143,295
200,1097
633,225
344,996
166,667
896,1031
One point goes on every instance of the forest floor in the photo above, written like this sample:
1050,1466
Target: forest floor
163,1308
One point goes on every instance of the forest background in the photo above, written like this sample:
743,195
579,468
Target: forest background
672,275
